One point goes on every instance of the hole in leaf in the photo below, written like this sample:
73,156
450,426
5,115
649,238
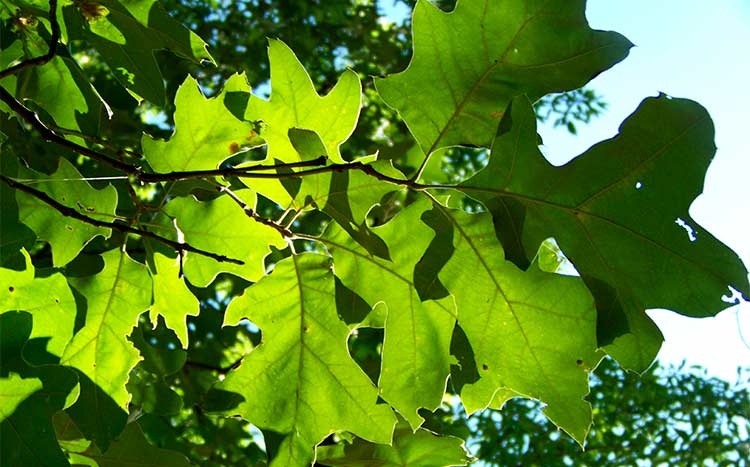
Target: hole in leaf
734,297
485,367
688,228
579,362
11,289
68,228
638,185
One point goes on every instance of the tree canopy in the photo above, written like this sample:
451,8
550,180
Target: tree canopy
190,265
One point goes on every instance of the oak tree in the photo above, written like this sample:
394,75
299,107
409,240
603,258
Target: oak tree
185,261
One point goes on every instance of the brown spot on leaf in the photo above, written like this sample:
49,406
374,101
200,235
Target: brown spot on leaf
579,362
485,367
92,10
253,134
11,289
497,115
234,147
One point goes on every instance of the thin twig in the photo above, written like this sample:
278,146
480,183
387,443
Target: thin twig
241,172
70,212
284,214
285,233
294,218
93,139
49,135
218,369
51,52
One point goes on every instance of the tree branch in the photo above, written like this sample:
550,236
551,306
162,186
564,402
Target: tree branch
246,172
51,52
285,233
220,369
49,135
70,212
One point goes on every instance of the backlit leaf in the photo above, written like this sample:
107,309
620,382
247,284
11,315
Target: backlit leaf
619,212
416,356
66,236
115,298
133,450
128,46
13,391
222,226
512,318
301,381
48,299
422,448
468,64
172,298
206,132
294,103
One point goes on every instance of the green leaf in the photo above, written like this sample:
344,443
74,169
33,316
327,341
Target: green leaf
153,396
66,236
96,414
416,350
172,298
468,64
173,35
27,437
301,381
58,87
133,450
615,212
294,103
206,132
533,333
422,448
221,226
114,297
14,235
48,299
13,391
128,45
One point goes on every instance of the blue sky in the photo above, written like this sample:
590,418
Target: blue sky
699,50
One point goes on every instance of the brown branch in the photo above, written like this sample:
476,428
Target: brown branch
216,368
70,212
51,52
93,139
242,172
49,135
285,233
